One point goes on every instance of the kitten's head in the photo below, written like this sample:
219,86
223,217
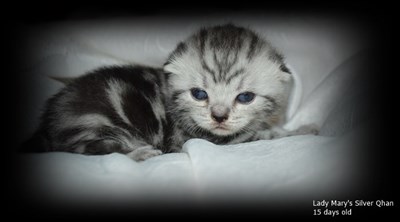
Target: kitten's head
226,80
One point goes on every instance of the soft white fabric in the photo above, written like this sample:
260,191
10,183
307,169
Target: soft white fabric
319,52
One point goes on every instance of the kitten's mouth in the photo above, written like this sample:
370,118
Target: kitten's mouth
221,126
222,130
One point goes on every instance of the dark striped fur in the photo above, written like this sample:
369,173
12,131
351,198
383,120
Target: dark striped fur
84,110
141,111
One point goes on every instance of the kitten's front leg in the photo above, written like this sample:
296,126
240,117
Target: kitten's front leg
278,132
144,153
138,151
306,129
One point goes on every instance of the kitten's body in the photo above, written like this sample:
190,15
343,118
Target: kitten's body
113,109
224,84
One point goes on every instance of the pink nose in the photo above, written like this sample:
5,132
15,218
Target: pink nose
219,118
219,113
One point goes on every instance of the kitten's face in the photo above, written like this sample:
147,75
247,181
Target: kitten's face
226,84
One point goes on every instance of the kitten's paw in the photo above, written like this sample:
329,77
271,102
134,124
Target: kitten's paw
262,135
307,129
274,133
144,153
278,132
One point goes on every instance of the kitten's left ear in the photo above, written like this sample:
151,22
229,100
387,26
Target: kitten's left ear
285,74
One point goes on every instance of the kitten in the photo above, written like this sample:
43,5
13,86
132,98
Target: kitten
228,86
224,84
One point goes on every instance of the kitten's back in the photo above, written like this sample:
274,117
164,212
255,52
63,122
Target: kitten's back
121,107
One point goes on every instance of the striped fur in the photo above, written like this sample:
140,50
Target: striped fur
112,109
225,61
142,111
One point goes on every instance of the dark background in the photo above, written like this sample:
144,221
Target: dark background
378,19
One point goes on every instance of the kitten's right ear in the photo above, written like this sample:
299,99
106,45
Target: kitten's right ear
169,67
177,53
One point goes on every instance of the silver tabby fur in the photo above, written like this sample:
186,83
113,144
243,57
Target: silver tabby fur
143,112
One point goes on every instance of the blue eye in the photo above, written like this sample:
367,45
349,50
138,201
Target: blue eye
199,94
245,97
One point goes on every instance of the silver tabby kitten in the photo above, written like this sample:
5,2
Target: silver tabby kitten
224,84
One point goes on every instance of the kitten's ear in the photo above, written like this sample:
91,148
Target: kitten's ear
285,77
285,74
168,67
165,66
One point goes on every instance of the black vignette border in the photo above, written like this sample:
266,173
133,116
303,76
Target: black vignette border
377,20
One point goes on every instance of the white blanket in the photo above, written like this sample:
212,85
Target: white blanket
295,167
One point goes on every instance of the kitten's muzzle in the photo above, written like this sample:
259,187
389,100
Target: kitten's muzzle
219,113
219,119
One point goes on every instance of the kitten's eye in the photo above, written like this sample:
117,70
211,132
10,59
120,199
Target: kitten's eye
245,97
199,94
